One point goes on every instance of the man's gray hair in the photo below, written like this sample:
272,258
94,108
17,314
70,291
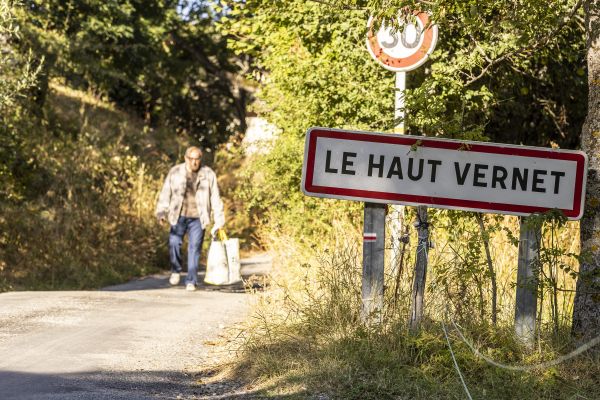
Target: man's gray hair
193,148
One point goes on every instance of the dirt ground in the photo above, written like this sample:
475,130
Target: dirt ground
140,340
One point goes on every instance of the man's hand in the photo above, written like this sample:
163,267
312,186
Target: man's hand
214,229
161,218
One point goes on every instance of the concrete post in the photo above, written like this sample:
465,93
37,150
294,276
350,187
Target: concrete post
527,282
373,259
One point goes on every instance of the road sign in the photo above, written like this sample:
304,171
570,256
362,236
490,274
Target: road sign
404,49
443,173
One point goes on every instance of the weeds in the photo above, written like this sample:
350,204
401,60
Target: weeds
86,217
306,337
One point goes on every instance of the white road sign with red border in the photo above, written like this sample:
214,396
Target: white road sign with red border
443,173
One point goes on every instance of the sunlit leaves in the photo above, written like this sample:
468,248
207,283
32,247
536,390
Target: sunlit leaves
160,58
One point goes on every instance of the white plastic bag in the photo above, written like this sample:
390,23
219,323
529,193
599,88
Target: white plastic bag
232,248
223,262
217,272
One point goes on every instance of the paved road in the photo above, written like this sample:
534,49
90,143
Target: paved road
139,340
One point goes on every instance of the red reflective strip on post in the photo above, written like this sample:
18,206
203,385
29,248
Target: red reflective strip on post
369,237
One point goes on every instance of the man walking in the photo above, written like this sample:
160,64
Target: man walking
188,195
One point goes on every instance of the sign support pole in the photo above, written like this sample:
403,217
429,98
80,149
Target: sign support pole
399,102
397,211
397,220
418,292
373,258
527,281
402,51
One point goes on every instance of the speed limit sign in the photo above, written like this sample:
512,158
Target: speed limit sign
405,48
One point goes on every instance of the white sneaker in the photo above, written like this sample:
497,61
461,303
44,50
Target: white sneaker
190,287
174,279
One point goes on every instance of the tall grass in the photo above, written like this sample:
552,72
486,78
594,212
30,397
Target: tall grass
86,216
306,337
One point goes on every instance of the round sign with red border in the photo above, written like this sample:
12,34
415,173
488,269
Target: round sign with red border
406,48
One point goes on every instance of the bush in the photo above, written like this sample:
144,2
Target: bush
85,215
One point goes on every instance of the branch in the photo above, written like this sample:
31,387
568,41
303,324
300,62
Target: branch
540,42
342,6
546,106
575,291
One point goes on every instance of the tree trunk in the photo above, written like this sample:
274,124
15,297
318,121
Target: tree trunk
586,311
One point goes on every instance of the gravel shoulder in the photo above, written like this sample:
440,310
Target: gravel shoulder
140,340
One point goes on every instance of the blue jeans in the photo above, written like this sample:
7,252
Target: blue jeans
195,232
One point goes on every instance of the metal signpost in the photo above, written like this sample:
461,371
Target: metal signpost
399,51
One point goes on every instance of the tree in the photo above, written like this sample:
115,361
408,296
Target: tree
509,73
312,69
162,59
586,310
18,75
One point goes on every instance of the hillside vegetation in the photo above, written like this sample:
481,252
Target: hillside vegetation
92,177
98,101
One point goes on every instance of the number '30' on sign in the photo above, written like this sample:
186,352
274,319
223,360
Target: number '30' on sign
404,48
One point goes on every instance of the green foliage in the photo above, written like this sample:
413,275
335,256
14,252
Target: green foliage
314,65
499,71
162,59
18,74
313,71
86,218
511,73
515,73
15,68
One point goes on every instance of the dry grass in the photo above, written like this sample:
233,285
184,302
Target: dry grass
87,219
305,338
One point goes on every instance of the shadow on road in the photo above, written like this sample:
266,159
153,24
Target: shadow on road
120,385
253,270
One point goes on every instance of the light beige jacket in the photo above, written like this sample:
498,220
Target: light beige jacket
171,196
